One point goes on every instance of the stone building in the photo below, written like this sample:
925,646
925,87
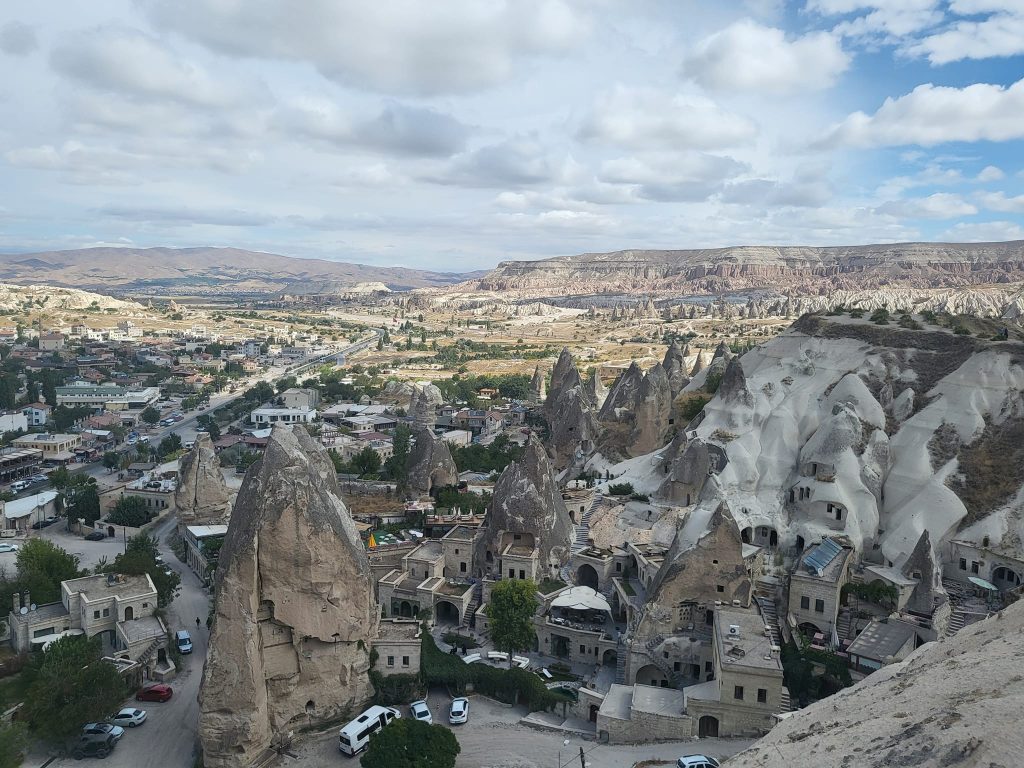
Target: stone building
398,647
816,585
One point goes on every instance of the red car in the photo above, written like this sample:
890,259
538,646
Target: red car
158,692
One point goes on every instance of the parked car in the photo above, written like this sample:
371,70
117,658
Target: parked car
129,717
420,711
18,486
459,712
159,692
96,536
696,761
50,520
184,641
103,730
89,747
5,547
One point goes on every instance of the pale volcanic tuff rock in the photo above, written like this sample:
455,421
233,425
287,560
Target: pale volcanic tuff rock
635,415
569,409
538,385
527,501
423,404
295,611
675,366
955,702
430,464
595,390
202,497
564,374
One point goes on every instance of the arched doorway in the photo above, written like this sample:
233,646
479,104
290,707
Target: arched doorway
809,629
1005,578
707,727
447,612
651,675
586,576
405,609
110,531
129,613
610,658
593,712
800,543
745,535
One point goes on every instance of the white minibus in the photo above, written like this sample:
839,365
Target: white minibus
356,735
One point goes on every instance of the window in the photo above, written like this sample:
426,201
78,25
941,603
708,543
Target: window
462,567
737,692
819,606
456,551
618,567
963,563
762,695
511,573
391,661
805,603
517,536
405,661
522,574
583,649
708,666
719,588
95,614
106,612
676,667
974,566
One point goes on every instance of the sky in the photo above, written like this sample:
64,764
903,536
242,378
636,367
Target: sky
453,135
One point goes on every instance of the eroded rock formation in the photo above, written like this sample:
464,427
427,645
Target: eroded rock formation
675,366
526,503
202,496
295,610
430,464
570,412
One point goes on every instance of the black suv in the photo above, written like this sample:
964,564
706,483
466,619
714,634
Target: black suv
93,747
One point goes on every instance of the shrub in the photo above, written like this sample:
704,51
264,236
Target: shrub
620,489
396,689
880,316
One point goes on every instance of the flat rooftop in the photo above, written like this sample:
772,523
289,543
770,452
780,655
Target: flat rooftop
461,533
42,613
824,560
145,628
750,647
102,586
399,629
618,702
881,639
430,549
666,702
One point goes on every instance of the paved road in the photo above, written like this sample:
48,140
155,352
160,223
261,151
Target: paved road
168,738
493,739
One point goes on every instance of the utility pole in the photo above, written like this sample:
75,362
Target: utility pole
583,762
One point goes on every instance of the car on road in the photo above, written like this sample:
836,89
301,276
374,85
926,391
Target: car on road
420,711
5,547
696,761
96,536
129,717
18,486
184,641
159,692
459,711
88,747
101,731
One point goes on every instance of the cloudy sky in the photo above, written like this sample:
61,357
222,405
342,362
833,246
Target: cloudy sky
454,134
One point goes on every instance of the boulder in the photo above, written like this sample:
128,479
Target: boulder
202,496
295,608
430,464
527,503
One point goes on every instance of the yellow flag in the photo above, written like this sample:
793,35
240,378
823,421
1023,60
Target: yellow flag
373,542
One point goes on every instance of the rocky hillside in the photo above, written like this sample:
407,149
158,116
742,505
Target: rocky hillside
14,298
206,271
956,702
802,271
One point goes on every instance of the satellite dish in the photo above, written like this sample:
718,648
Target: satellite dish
32,607
24,610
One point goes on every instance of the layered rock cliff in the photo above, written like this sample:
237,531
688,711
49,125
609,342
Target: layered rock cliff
295,610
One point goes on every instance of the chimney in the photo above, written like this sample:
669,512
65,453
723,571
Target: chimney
16,599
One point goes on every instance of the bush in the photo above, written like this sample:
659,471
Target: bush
621,489
396,689
880,316
130,511
713,380
463,641
693,405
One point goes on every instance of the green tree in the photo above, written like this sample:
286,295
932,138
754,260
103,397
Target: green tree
140,557
210,424
64,418
408,743
70,684
13,743
510,614
260,393
397,467
130,511
366,462
42,566
82,500
111,460
150,415
247,458
169,444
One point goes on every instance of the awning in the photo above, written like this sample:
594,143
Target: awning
581,599
45,640
980,582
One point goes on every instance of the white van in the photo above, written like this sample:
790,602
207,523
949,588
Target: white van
356,735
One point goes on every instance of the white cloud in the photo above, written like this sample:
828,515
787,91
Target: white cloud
880,18
519,161
941,205
681,177
998,201
648,119
749,56
932,114
394,46
1001,34
773,193
983,232
397,129
17,39
989,173
134,64
187,216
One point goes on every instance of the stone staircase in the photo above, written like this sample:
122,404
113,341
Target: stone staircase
582,540
771,618
147,654
786,704
469,616
620,663
845,626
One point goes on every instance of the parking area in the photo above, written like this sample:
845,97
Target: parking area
493,738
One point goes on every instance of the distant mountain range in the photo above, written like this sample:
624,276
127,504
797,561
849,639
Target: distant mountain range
802,271
199,271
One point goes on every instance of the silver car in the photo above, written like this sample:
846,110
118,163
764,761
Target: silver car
129,717
459,712
420,711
